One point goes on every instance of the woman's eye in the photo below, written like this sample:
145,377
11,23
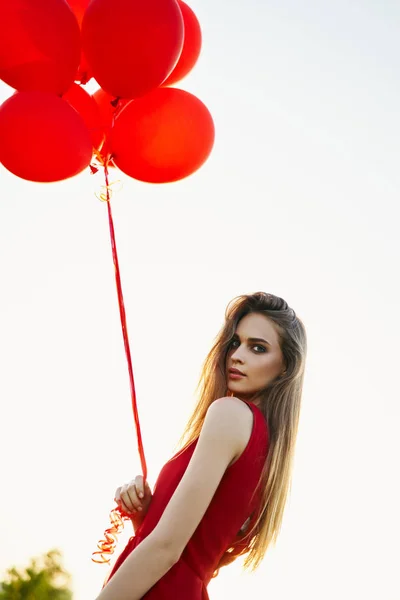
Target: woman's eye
254,346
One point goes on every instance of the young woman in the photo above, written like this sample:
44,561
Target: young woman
223,494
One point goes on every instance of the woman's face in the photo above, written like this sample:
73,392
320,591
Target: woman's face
260,360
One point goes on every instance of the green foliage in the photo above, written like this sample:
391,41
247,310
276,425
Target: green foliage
43,579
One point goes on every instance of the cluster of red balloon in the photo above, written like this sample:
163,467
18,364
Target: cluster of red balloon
51,127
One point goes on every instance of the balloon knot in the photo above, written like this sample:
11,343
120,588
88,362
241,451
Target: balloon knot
114,102
84,78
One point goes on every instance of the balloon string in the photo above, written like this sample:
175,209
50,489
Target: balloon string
125,328
106,547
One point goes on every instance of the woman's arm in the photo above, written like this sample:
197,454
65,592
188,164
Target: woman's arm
225,433
148,562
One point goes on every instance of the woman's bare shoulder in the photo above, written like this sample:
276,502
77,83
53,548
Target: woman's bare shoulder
230,411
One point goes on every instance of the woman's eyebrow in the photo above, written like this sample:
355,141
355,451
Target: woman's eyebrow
253,339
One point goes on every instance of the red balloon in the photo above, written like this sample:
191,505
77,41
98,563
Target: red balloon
84,73
132,46
162,137
42,138
191,45
79,7
86,106
39,45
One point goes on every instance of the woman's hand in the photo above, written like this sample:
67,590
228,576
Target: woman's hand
134,500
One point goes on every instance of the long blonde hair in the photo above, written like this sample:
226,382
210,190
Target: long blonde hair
280,404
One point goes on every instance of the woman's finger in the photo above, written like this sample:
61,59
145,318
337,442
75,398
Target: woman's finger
125,499
130,497
139,485
117,495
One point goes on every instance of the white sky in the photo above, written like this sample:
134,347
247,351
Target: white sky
300,199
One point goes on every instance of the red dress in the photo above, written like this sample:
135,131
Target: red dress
225,515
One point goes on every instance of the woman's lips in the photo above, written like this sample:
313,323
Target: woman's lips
236,375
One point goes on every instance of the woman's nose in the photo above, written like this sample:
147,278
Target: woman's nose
236,355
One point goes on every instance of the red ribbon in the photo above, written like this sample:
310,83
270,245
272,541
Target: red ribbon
106,547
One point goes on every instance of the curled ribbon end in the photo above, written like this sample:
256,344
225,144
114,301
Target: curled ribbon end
106,547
